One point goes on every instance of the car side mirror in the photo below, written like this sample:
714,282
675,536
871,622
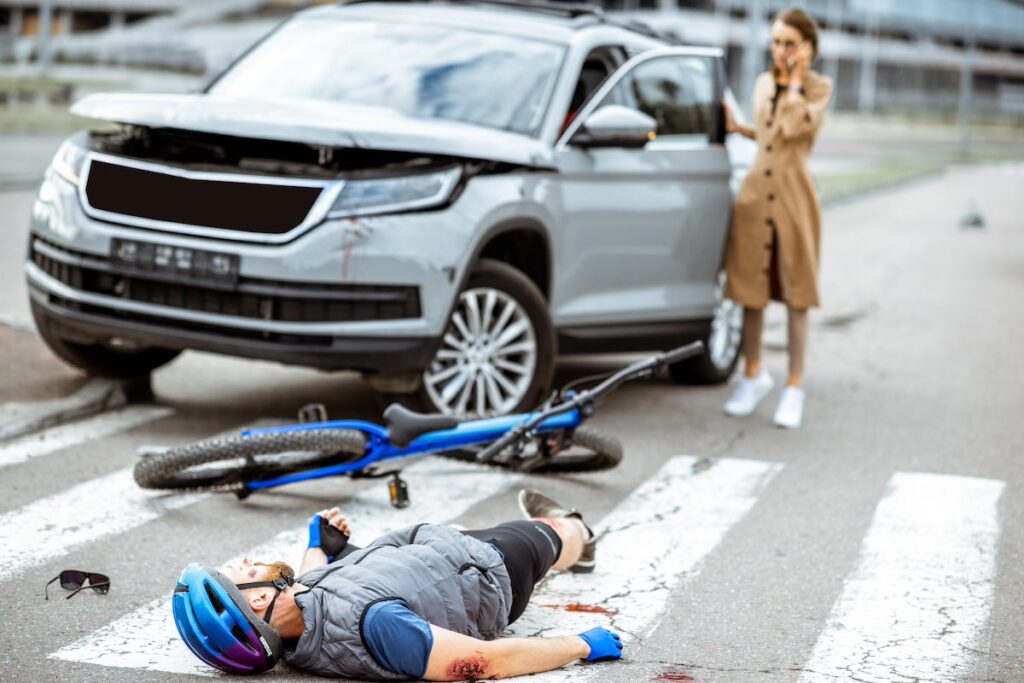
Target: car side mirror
614,125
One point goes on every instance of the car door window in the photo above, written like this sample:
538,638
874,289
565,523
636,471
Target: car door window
676,91
596,68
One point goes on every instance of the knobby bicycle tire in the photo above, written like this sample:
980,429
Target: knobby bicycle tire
173,469
599,452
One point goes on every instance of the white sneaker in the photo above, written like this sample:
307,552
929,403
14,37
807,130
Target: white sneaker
790,412
748,393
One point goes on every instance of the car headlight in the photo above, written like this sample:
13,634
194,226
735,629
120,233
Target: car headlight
387,195
69,160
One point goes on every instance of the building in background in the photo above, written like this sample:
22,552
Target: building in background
914,56
884,55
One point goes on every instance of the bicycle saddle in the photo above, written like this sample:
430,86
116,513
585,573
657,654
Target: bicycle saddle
405,425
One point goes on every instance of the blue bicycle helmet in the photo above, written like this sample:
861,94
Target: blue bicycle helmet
215,621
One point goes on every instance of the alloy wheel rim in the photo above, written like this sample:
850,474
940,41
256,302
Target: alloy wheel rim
726,328
487,357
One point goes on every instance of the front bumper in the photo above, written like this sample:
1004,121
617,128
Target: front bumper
87,324
369,294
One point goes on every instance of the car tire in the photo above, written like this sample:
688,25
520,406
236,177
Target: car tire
104,361
721,344
498,349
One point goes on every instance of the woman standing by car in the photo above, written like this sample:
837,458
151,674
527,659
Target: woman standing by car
775,237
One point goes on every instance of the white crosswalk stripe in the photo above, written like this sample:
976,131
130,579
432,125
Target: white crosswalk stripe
651,542
108,505
147,639
55,525
81,431
917,605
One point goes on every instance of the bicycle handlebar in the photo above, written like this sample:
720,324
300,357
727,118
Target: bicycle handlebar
645,367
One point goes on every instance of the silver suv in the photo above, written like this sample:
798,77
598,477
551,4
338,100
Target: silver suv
440,196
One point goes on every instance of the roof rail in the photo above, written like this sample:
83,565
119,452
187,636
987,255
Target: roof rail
645,29
570,10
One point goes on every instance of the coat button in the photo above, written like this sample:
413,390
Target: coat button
766,270
771,197
768,148
770,123
767,245
767,171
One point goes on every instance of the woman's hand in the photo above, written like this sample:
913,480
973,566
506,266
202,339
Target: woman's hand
800,64
730,121
731,125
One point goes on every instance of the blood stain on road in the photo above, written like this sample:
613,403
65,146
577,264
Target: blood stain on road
578,607
677,676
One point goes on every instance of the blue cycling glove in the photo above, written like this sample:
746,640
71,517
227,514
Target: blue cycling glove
328,538
604,644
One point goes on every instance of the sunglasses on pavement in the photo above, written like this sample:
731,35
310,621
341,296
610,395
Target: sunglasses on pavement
76,581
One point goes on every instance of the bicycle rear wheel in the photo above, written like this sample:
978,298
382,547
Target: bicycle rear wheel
227,464
591,451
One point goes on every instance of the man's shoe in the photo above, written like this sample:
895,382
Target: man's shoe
790,413
747,393
535,504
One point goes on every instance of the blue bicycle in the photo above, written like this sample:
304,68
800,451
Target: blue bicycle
549,440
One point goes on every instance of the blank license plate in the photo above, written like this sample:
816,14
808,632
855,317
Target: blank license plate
191,264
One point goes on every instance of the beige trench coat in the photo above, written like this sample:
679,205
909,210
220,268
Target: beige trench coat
778,194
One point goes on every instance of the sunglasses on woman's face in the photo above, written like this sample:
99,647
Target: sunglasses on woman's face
74,580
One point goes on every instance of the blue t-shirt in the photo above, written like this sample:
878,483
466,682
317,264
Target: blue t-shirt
398,638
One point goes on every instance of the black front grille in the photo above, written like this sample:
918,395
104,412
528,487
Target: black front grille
241,206
249,298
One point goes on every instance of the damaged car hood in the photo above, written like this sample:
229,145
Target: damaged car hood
315,122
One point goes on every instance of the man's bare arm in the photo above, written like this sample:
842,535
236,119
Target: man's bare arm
311,559
455,657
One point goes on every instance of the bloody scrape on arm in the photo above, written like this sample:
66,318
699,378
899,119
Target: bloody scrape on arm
455,657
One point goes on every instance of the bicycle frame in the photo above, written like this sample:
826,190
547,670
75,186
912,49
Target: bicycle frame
380,448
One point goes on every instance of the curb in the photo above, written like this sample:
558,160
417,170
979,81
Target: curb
93,398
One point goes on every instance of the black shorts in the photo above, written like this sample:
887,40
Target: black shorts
530,548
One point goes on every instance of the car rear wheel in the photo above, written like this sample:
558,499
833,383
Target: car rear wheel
497,354
721,345
101,360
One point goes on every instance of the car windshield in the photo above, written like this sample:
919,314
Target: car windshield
422,71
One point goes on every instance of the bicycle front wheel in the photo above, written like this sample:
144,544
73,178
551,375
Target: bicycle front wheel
591,451
227,464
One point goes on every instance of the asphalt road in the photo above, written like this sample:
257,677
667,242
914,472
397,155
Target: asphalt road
880,542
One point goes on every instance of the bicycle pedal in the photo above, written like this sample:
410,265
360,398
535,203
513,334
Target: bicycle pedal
313,412
399,491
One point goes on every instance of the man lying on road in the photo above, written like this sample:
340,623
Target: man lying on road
427,601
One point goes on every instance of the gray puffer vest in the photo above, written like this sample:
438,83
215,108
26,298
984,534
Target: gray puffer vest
452,580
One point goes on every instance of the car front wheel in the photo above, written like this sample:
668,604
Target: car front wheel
497,354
